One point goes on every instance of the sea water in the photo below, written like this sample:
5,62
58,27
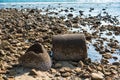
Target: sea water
112,7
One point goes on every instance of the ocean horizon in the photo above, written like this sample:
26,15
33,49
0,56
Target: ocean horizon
77,1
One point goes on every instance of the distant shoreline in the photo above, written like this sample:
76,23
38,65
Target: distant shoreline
57,2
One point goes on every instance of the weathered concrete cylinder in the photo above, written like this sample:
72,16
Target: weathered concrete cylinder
69,47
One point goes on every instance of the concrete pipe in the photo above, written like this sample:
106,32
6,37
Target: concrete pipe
69,47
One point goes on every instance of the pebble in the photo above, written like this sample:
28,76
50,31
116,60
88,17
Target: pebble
107,55
108,78
116,63
66,74
2,53
53,71
96,76
2,71
77,70
58,65
81,64
99,68
33,73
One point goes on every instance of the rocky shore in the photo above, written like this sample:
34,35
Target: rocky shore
20,28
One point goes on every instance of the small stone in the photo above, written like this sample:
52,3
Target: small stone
89,69
33,73
108,78
107,55
81,64
115,57
11,78
107,73
113,67
86,75
96,76
53,71
116,63
58,65
57,74
104,61
113,71
2,53
100,73
2,71
78,70
67,74
65,69
99,68
70,15
62,70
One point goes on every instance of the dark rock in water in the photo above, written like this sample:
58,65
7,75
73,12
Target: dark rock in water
116,63
107,55
81,12
91,9
70,15
36,57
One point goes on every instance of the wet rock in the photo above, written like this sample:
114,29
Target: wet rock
96,76
11,78
57,74
104,61
89,69
116,63
85,75
109,33
113,71
113,67
66,74
112,44
66,64
53,71
81,64
33,72
108,78
2,53
81,12
58,65
70,15
99,68
75,25
65,69
107,55
87,61
2,71
77,70
115,57
107,73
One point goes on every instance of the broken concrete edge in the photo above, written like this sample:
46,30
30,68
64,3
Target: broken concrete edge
64,44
